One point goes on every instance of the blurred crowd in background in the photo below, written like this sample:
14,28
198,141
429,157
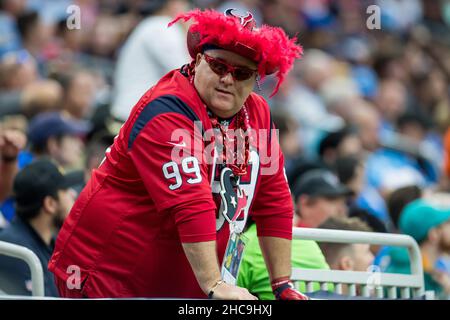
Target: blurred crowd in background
366,109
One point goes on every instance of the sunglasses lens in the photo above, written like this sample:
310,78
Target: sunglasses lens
218,67
241,74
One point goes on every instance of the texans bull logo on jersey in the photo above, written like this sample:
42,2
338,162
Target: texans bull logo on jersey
234,199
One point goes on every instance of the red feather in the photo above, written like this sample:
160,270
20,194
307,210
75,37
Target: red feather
274,51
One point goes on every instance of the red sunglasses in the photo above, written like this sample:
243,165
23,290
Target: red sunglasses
222,68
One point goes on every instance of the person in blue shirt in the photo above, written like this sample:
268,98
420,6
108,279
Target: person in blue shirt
42,200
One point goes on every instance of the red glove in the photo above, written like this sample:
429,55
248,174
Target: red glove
283,289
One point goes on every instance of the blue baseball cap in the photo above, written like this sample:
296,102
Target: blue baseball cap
51,124
422,215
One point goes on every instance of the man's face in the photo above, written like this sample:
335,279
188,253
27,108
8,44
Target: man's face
224,95
81,95
66,199
332,207
69,151
316,211
362,257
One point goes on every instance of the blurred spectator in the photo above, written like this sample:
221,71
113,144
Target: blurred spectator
52,11
418,139
399,15
302,101
373,222
389,169
399,198
17,70
146,56
350,171
433,99
344,142
446,160
42,203
391,102
302,165
340,91
39,96
396,202
79,93
347,256
58,137
288,136
94,155
413,125
105,38
319,195
428,222
34,33
70,41
9,34
368,123
365,202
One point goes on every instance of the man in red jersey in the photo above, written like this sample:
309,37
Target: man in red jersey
156,216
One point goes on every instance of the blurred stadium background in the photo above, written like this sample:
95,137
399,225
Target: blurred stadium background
369,101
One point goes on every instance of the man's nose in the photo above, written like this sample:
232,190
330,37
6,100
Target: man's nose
227,78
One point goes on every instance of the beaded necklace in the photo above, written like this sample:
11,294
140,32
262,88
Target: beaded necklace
239,167
240,164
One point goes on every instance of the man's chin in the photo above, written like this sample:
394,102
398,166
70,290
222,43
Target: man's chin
223,110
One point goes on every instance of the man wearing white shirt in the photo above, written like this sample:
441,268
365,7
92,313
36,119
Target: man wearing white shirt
146,56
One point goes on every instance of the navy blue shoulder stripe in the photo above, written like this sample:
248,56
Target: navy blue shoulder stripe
160,105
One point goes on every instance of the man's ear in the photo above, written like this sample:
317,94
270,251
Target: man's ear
198,59
346,263
52,145
50,205
301,203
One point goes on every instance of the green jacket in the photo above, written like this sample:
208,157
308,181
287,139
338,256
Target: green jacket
253,273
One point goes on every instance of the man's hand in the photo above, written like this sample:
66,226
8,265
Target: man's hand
284,290
227,291
202,257
11,142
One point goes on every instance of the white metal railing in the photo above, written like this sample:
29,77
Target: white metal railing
364,280
25,254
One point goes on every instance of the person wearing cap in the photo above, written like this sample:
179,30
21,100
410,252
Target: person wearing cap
318,195
155,218
53,135
42,200
427,220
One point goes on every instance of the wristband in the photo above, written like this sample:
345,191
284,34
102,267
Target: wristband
8,159
214,287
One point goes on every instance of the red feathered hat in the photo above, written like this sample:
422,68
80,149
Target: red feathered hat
268,46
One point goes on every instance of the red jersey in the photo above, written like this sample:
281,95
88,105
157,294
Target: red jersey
126,229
